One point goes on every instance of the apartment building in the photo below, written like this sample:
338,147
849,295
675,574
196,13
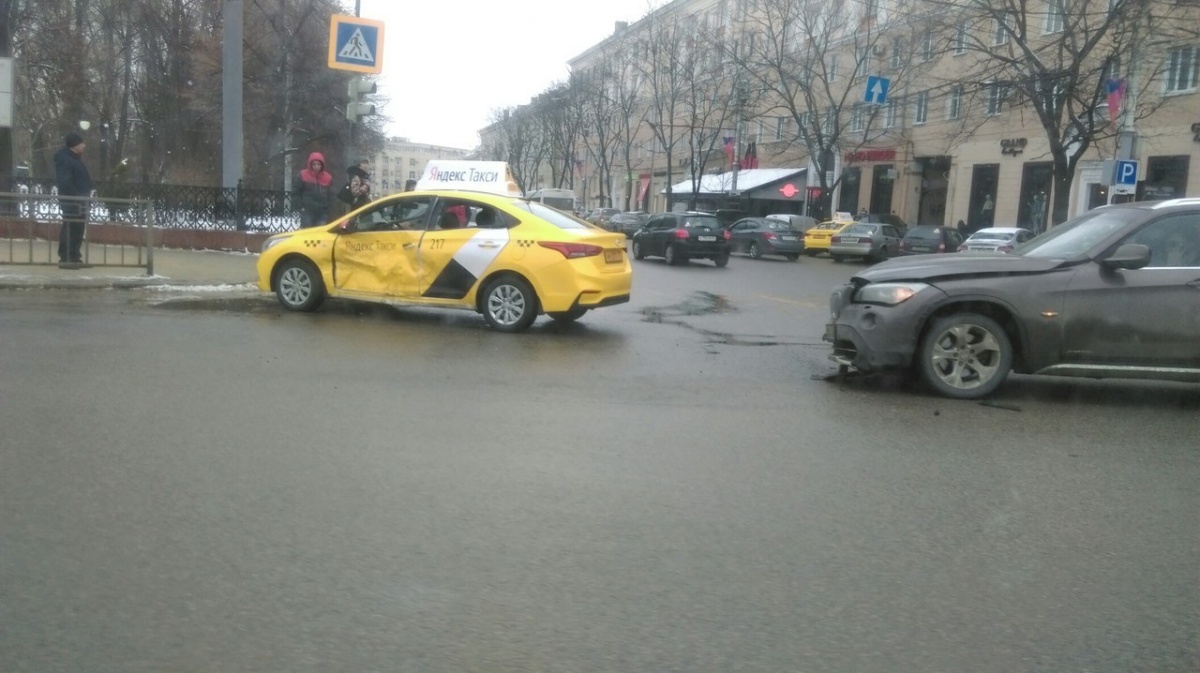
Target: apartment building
971,126
401,160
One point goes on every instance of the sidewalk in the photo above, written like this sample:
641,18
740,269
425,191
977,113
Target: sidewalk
172,267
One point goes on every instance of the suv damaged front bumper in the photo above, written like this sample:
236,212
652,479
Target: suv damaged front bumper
876,337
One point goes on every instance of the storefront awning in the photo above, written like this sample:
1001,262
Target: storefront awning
722,183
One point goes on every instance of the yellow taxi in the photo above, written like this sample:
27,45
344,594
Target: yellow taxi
818,237
465,239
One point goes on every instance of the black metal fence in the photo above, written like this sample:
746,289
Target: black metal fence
177,206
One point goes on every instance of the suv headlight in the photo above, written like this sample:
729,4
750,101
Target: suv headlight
888,294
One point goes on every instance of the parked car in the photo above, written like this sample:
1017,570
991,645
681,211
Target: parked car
758,236
996,239
883,218
925,239
627,223
817,238
600,215
800,223
872,242
678,237
1108,294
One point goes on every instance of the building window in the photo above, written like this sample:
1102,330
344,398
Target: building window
412,162
993,99
1000,30
960,38
921,113
927,46
805,122
780,127
862,66
412,175
762,131
1055,16
892,117
1182,67
857,119
833,67
897,53
954,103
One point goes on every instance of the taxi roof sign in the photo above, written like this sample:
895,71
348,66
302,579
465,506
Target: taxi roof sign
355,44
477,176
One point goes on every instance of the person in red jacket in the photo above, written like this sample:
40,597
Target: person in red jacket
312,192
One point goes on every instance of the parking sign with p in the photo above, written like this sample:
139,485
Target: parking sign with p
1126,174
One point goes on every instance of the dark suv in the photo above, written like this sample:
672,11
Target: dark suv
1111,293
678,237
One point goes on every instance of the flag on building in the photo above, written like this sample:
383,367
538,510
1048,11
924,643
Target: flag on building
729,148
1116,93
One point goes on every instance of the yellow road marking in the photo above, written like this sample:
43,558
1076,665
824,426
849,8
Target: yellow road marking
805,304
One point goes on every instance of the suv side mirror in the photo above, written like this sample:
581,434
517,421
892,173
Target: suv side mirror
1128,256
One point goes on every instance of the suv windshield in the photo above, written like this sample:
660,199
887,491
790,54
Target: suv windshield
1074,238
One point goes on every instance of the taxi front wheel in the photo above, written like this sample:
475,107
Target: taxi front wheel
299,286
509,304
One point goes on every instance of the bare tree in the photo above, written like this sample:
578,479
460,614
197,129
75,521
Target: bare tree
658,51
521,141
1051,61
602,123
809,60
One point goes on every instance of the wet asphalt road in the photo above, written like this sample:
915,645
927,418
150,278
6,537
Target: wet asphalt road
205,483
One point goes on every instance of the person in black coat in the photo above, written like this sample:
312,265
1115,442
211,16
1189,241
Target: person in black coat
357,192
73,180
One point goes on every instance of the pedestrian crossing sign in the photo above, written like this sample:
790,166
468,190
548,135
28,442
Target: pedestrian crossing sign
355,44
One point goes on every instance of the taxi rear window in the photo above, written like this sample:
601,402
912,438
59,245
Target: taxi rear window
553,215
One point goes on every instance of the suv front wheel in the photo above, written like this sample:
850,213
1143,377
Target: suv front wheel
965,356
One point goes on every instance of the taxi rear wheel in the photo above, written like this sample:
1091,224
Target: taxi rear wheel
299,286
509,304
567,316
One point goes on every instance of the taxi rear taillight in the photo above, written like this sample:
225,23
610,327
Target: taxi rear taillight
573,250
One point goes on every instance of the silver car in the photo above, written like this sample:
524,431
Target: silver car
872,242
995,239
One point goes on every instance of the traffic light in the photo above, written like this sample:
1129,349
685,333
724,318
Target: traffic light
355,107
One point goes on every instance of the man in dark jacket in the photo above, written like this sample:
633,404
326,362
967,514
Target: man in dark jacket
74,182
357,192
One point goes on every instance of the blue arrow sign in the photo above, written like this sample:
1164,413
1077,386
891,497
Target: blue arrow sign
355,44
1126,174
877,89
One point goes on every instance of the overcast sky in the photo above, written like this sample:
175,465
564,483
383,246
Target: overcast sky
449,64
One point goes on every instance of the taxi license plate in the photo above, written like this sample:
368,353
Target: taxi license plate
612,256
706,239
